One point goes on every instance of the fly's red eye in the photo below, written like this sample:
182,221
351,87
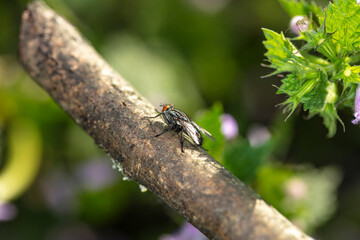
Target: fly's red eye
165,108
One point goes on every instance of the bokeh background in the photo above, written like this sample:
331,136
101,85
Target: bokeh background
203,56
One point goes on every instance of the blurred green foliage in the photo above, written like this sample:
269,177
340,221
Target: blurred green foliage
211,120
298,192
202,56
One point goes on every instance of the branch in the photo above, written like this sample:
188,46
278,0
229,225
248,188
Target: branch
110,110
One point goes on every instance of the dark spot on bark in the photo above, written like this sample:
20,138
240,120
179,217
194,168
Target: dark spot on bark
120,158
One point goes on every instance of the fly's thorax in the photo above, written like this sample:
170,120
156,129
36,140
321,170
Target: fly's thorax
168,118
165,117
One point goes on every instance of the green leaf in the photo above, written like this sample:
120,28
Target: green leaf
293,7
330,116
347,98
294,100
282,54
321,40
290,85
322,101
302,8
315,99
210,120
243,160
292,192
343,19
273,190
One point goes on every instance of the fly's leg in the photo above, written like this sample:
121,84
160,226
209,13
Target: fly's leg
166,130
182,141
147,118
154,117
179,129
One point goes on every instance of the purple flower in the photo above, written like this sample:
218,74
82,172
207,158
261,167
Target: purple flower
186,232
357,106
8,211
229,126
258,135
296,188
59,192
299,24
96,174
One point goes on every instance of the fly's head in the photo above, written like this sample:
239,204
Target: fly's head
167,108
166,113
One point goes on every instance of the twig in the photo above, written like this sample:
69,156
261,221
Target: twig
60,60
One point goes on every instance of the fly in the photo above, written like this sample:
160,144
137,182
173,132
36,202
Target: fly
181,123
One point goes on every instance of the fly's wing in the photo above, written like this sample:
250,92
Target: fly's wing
179,115
203,131
191,131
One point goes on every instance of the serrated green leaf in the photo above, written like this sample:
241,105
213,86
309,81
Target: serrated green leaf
315,99
321,40
290,85
283,55
294,100
343,19
321,100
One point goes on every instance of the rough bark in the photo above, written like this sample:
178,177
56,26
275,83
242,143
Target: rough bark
110,110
